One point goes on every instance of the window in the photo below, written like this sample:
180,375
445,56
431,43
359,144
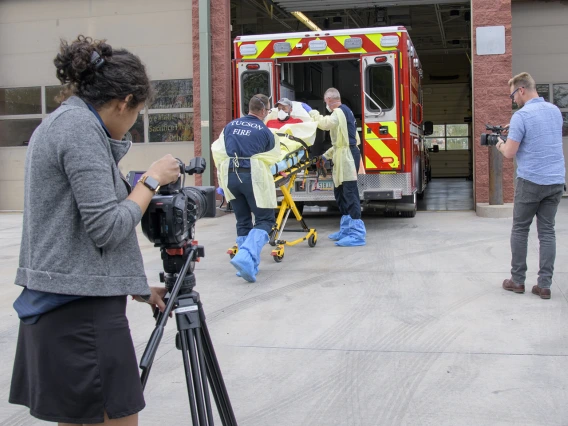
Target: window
252,83
20,114
449,137
17,132
170,127
380,83
544,91
173,94
20,101
560,95
137,131
168,119
51,95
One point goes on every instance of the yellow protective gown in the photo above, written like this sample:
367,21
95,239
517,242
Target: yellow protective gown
343,163
262,180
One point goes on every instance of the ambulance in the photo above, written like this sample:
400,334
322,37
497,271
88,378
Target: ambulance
378,74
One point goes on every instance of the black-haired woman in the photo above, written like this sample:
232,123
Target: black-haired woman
79,258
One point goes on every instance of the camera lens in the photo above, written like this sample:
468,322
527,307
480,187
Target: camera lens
196,202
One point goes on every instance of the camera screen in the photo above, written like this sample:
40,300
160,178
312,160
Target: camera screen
134,177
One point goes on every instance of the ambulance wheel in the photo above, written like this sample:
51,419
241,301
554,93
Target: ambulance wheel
277,258
312,241
408,214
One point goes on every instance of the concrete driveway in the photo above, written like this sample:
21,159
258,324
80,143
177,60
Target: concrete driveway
412,329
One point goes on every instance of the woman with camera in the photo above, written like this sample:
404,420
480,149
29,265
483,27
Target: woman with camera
79,258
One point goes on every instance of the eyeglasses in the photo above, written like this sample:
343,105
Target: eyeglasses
261,101
512,95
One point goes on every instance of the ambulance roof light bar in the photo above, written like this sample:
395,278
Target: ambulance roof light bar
306,21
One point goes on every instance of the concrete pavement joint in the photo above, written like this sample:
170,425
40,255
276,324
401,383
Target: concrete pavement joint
387,351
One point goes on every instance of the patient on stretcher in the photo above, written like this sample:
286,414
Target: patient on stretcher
298,124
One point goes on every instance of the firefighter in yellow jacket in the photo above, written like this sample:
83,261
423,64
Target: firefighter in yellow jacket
346,159
243,155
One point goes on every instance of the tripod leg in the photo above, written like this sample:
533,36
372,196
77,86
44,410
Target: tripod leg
197,380
159,331
188,376
218,387
198,341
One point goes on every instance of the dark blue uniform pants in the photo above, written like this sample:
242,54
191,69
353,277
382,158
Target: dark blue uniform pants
244,204
347,194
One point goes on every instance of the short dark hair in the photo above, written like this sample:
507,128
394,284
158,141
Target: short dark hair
258,102
97,73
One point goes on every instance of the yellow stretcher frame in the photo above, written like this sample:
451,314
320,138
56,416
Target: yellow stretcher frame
285,181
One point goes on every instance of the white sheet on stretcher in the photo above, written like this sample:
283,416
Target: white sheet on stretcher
306,131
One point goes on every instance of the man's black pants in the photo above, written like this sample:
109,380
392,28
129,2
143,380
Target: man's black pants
244,204
347,194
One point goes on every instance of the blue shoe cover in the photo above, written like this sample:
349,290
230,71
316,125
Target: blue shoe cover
238,274
342,229
246,261
355,234
240,241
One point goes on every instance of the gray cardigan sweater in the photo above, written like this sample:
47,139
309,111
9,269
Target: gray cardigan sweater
79,233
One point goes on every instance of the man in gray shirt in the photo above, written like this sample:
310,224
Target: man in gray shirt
535,139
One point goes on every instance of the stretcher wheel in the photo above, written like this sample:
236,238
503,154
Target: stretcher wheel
312,241
232,251
277,258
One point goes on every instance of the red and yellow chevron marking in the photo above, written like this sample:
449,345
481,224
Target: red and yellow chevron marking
335,45
414,90
377,146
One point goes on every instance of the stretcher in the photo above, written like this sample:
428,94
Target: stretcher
298,161
294,163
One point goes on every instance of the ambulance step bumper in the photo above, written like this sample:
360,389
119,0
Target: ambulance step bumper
382,194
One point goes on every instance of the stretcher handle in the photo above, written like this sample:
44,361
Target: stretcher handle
295,139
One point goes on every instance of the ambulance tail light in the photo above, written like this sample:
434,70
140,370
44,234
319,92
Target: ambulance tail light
253,66
380,59
388,160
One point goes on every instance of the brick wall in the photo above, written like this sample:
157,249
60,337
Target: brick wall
220,71
491,103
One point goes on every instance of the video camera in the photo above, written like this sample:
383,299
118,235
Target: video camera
491,139
169,221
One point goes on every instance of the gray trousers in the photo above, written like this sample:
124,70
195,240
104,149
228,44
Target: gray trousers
530,200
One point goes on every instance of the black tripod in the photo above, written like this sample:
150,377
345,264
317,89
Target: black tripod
193,339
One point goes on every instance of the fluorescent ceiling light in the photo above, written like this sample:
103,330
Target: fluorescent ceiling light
306,21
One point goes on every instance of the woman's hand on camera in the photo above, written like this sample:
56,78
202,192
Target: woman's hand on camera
165,170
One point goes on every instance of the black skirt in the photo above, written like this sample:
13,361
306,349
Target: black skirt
77,362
